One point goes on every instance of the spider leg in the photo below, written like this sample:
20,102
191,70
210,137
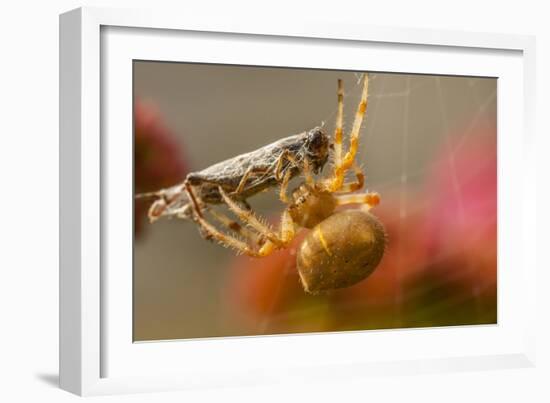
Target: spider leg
288,232
307,172
234,226
225,239
258,245
207,230
349,187
368,199
338,131
284,188
251,245
250,219
341,167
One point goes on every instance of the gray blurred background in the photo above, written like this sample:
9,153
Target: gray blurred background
216,112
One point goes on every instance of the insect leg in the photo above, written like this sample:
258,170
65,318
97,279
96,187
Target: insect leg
284,156
161,209
191,194
165,200
148,195
251,170
249,218
168,193
306,168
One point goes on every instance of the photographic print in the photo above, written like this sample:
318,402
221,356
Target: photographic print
285,200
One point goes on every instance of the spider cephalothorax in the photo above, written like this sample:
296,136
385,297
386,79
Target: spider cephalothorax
314,203
311,205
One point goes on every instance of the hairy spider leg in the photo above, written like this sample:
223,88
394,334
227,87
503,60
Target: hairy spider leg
308,175
250,219
369,199
224,239
288,232
234,226
268,240
284,188
349,187
341,167
209,229
338,130
255,245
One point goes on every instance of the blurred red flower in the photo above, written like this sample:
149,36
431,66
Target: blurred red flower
158,160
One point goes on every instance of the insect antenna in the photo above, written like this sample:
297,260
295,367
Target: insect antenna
147,195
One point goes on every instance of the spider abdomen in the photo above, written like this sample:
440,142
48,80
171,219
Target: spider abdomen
341,251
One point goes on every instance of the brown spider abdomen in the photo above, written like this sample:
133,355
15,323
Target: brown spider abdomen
341,251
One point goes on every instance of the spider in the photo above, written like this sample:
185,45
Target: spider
342,247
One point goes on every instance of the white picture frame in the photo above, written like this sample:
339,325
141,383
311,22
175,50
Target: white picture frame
97,356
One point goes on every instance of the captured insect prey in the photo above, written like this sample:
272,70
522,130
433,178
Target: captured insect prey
242,176
342,247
